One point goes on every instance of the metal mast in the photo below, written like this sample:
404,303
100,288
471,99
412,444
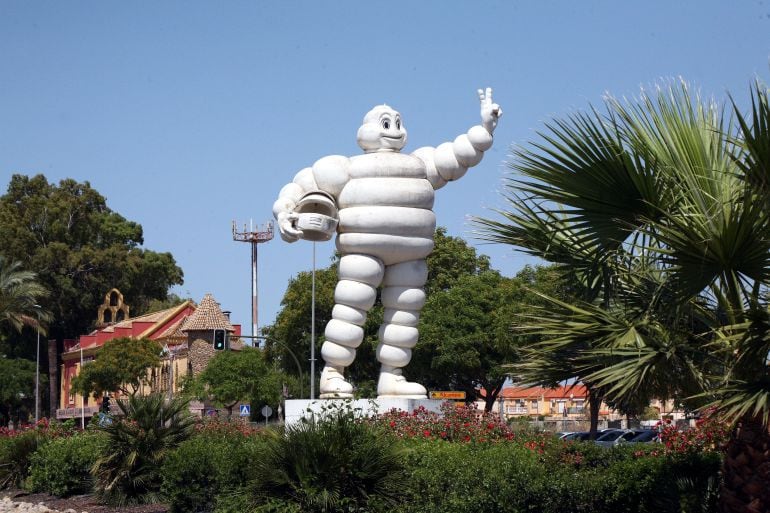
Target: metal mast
254,237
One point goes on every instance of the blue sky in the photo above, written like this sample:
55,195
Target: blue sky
188,115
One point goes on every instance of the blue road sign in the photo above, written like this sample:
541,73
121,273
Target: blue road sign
104,419
245,410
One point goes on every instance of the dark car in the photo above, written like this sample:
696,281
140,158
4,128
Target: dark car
646,436
576,436
617,436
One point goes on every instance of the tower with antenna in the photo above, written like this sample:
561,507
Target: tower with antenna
254,236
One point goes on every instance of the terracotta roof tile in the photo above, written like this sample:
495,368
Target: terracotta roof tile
208,316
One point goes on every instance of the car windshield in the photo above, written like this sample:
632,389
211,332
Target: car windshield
609,437
645,436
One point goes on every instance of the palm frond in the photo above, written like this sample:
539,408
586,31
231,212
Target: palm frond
754,139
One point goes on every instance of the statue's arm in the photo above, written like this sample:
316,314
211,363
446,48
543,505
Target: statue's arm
329,174
283,208
450,161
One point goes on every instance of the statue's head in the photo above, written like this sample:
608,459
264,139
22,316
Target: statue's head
382,130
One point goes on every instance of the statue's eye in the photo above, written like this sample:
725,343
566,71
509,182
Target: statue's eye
398,123
385,124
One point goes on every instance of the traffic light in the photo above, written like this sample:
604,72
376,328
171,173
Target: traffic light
105,404
220,340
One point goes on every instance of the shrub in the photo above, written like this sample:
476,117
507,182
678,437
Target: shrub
455,423
17,447
563,478
138,443
63,466
469,477
15,452
337,464
215,461
709,434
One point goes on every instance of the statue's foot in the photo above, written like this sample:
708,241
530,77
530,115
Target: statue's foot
393,384
333,385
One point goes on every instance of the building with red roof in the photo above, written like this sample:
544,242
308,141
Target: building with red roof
184,333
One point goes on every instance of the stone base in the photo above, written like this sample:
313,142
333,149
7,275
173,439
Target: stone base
296,409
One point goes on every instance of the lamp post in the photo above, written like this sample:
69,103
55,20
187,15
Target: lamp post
37,371
37,379
312,333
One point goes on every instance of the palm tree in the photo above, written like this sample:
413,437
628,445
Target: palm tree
19,296
147,430
659,208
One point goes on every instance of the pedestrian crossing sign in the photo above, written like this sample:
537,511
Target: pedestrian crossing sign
245,410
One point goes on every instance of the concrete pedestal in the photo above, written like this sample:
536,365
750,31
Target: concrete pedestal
296,409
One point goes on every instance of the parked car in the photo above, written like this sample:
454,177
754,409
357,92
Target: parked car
575,435
583,435
646,436
618,436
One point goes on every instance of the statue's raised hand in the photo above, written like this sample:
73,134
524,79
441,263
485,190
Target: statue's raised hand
490,112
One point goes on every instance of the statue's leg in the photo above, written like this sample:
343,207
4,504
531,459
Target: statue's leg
359,277
403,298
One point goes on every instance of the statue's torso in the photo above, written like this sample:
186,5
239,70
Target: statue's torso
386,207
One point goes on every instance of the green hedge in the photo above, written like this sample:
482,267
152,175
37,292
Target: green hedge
213,474
63,466
505,477
207,466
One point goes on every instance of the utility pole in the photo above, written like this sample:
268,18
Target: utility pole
254,237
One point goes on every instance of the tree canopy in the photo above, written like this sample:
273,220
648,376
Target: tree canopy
79,249
122,364
234,376
17,387
467,335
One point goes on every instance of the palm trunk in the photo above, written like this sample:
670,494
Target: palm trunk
746,469
594,403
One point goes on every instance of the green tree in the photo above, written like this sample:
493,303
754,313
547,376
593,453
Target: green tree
234,376
17,387
451,259
660,207
292,327
466,339
121,364
20,294
79,248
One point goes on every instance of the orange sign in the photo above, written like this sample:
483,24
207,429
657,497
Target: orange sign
453,395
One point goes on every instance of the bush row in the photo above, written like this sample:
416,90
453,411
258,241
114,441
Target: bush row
342,464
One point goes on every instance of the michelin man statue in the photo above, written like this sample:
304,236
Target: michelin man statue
383,200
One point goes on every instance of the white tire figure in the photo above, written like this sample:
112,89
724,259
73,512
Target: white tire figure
384,201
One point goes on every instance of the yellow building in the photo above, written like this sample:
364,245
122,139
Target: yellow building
184,333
